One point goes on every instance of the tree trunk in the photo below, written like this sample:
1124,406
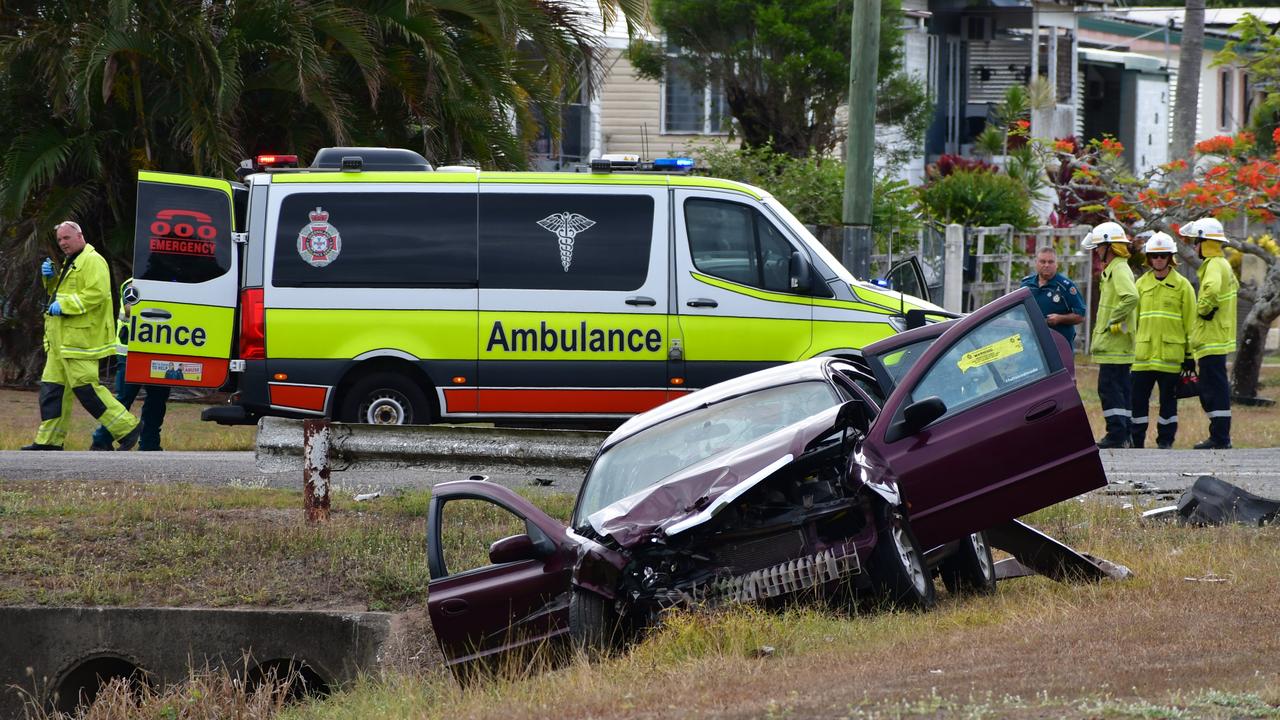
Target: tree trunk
1187,103
1253,336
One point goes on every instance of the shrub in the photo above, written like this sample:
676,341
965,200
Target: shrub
812,188
977,198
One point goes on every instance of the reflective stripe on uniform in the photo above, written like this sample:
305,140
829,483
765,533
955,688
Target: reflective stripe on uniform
1218,413
1118,412
1167,420
1140,420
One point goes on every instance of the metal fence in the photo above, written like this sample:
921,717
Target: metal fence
968,267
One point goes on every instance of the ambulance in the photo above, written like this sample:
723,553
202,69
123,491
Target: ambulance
372,288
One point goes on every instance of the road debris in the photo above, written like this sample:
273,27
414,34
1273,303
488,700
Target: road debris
362,497
1211,501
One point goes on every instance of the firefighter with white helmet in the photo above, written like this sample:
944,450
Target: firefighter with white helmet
1112,341
1162,345
1213,333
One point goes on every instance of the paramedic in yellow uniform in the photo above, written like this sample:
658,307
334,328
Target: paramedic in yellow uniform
78,332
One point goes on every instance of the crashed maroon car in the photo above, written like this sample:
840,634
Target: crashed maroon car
834,476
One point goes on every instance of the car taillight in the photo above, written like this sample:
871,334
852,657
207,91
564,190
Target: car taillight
253,325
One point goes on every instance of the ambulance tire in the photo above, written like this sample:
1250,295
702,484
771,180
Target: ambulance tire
386,398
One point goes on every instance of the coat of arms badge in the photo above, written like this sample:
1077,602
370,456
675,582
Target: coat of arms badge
319,242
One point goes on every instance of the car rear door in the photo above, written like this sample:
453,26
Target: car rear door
1013,438
483,610
186,275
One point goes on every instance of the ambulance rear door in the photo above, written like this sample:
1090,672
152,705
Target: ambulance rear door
186,273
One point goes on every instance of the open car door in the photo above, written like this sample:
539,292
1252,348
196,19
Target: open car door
983,423
500,573
907,277
186,278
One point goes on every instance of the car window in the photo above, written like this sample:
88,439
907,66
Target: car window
659,452
993,358
870,389
738,243
468,526
898,362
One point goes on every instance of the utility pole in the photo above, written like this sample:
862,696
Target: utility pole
859,167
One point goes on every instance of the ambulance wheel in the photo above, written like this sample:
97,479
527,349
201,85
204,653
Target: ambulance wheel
386,398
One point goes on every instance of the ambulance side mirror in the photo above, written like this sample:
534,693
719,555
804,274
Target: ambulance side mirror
801,273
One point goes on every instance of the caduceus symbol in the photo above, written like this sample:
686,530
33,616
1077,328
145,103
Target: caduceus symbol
566,226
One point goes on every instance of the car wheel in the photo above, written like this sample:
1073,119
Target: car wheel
593,625
970,569
386,398
897,566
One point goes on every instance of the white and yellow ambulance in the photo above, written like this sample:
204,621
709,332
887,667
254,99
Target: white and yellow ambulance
371,288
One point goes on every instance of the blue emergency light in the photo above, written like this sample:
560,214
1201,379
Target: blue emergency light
676,163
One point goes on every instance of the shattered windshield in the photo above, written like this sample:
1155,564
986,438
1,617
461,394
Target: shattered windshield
652,455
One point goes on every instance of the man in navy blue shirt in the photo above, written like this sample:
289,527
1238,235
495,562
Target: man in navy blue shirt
1059,300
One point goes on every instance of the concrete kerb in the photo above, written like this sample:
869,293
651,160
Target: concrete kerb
447,448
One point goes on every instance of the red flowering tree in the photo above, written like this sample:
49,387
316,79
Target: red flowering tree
1231,179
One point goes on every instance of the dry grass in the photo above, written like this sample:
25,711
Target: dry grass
183,428
206,695
1155,646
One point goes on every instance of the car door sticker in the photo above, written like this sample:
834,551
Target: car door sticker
566,226
986,354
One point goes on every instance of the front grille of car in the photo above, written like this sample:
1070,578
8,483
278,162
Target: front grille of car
760,552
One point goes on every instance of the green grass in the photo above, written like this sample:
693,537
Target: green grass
183,429
76,543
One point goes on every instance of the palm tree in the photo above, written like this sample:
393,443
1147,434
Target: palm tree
95,90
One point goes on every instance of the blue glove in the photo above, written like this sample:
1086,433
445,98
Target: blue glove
46,267
55,308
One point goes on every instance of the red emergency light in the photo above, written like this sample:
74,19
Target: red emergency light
262,162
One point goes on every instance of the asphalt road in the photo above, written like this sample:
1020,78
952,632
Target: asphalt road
1155,472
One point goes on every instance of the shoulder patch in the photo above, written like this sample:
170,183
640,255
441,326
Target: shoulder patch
1072,290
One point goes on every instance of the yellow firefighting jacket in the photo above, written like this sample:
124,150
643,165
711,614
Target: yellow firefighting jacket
1112,341
84,330
1166,311
1214,331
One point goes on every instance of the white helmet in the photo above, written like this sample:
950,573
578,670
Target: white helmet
1159,242
1203,229
1107,232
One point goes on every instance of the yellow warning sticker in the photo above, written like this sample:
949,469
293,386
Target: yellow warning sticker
176,370
997,350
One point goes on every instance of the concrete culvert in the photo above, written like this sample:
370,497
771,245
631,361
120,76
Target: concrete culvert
81,685
298,679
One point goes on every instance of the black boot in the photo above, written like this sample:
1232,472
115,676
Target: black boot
41,446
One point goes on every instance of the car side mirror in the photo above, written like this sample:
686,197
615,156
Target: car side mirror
853,415
801,273
922,412
512,549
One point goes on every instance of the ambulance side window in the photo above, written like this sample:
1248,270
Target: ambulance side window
565,241
737,243
376,239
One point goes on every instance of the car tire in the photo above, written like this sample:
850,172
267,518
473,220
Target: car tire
385,398
897,568
594,627
971,569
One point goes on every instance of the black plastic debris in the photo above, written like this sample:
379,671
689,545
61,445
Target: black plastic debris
1211,501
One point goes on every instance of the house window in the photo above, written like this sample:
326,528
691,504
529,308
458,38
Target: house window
692,104
1225,98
